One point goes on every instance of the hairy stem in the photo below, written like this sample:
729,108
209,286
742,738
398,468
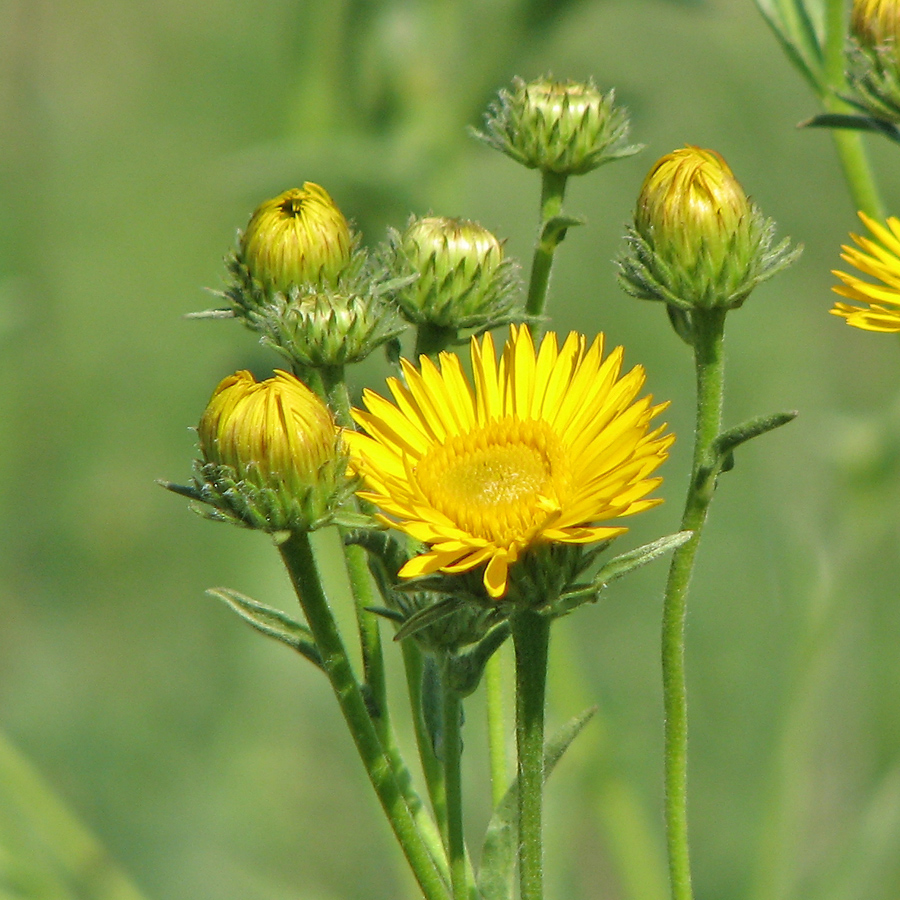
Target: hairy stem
708,349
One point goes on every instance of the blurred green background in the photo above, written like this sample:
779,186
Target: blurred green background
134,139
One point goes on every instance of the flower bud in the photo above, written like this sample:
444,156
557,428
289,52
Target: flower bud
564,127
299,237
272,455
461,277
697,240
321,328
873,60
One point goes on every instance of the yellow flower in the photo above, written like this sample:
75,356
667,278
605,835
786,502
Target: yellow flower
542,449
879,258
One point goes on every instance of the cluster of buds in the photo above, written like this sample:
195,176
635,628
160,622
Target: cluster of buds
272,457
568,128
697,240
300,281
873,59
456,274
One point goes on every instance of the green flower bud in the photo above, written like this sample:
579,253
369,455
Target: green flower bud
272,455
564,127
297,239
456,272
698,240
321,327
873,59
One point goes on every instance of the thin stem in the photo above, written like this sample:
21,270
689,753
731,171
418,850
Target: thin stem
452,747
553,192
493,682
858,172
431,766
301,565
334,385
531,638
850,147
364,598
709,358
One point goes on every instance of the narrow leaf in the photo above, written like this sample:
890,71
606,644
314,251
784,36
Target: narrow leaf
797,40
622,565
498,855
727,441
271,622
555,229
427,616
616,568
210,314
854,123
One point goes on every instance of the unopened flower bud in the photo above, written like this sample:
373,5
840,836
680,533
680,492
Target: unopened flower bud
298,238
873,60
564,127
697,239
461,277
272,456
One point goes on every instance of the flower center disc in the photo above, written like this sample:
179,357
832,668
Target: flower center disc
489,481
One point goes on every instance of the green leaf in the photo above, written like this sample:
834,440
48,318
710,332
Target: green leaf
853,122
426,617
465,669
616,568
555,228
271,622
721,458
793,27
498,854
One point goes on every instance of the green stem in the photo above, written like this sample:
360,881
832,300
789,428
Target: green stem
431,339
431,766
493,681
857,169
553,192
301,565
849,144
531,638
456,845
364,597
334,385
709,328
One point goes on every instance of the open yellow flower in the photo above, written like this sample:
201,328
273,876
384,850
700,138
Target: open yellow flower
879,258
545,447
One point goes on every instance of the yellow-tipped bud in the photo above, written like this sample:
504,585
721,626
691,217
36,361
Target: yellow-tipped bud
273,457
462,279
564,127
875,23
697,239
873,60
299,237
694,207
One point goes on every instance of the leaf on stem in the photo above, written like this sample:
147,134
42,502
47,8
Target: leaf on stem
853,122
616,568
498,854
555,228
721,454
795,30
271,622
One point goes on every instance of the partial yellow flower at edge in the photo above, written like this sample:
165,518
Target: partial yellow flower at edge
880,259
543,447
